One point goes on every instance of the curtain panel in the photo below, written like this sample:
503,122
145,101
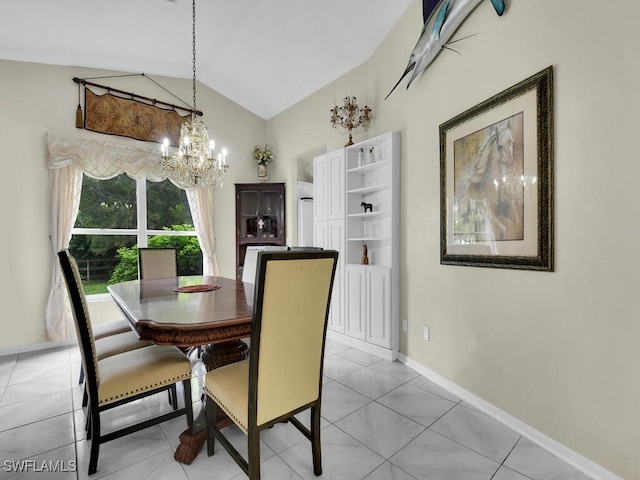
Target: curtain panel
67,161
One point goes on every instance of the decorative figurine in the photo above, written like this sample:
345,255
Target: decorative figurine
372,155
367,206
365,259
361,157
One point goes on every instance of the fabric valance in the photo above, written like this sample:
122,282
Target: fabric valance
104,160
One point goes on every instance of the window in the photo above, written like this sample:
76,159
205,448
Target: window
120,214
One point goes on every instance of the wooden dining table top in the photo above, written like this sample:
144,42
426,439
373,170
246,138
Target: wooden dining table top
160,314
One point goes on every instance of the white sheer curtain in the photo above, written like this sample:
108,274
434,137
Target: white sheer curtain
68,160
66,183
201,205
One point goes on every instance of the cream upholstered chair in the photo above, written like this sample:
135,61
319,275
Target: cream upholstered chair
107,329
249,265
251,260
122,378
112,338
113,345
157,263
283,375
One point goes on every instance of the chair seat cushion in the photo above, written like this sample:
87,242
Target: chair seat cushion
140,370
101,330
115,344
228,386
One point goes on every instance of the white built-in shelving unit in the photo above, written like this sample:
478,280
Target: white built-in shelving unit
369,293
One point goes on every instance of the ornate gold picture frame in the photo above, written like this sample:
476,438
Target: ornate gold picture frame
496,180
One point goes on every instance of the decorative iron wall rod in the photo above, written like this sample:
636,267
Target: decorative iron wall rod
136,96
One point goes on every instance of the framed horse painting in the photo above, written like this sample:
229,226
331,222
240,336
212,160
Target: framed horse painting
496,180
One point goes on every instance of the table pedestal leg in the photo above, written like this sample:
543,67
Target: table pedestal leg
221,354
193,438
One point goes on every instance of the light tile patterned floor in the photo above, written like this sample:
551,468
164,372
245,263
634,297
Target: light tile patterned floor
381,421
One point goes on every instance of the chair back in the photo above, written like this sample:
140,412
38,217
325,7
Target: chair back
249,266
291,307
157,263
81,319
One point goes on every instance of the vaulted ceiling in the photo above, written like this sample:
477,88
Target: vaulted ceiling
263,55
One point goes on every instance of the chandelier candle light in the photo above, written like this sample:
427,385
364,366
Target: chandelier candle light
194,164
350,116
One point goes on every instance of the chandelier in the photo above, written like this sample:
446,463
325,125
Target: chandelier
194,164
350,116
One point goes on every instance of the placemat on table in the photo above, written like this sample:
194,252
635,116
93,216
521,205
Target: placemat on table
197,288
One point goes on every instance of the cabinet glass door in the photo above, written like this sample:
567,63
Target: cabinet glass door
270,212
249,214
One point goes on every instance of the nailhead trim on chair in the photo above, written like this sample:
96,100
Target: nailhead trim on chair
144,389
148,364
86,314
233,417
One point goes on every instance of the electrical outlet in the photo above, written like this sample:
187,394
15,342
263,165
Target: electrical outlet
425,333
405,325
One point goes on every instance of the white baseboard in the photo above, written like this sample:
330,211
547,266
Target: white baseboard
583,464
35,347
385,353
574,459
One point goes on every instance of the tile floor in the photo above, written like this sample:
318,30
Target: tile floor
381,421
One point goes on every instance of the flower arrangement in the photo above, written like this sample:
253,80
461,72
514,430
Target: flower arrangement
263,156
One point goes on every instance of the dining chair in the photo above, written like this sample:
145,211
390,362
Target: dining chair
122,378
160,263
283,374
251,258
115,345
249,265
157,262
114,327
112,338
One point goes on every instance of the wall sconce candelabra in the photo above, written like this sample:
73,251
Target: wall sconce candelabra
350,116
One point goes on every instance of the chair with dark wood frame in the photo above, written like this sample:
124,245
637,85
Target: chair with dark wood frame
113,337
157,262
283,375
125,377
116,337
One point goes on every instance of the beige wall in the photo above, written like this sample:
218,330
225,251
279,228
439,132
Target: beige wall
36,100
556,350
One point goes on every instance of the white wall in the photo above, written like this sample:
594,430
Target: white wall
36,100
555,350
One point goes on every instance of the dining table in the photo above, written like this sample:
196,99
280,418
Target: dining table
191,311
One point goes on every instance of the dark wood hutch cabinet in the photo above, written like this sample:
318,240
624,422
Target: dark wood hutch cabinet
259,217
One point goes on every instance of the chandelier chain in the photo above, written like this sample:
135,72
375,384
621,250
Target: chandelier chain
194,163
193,44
